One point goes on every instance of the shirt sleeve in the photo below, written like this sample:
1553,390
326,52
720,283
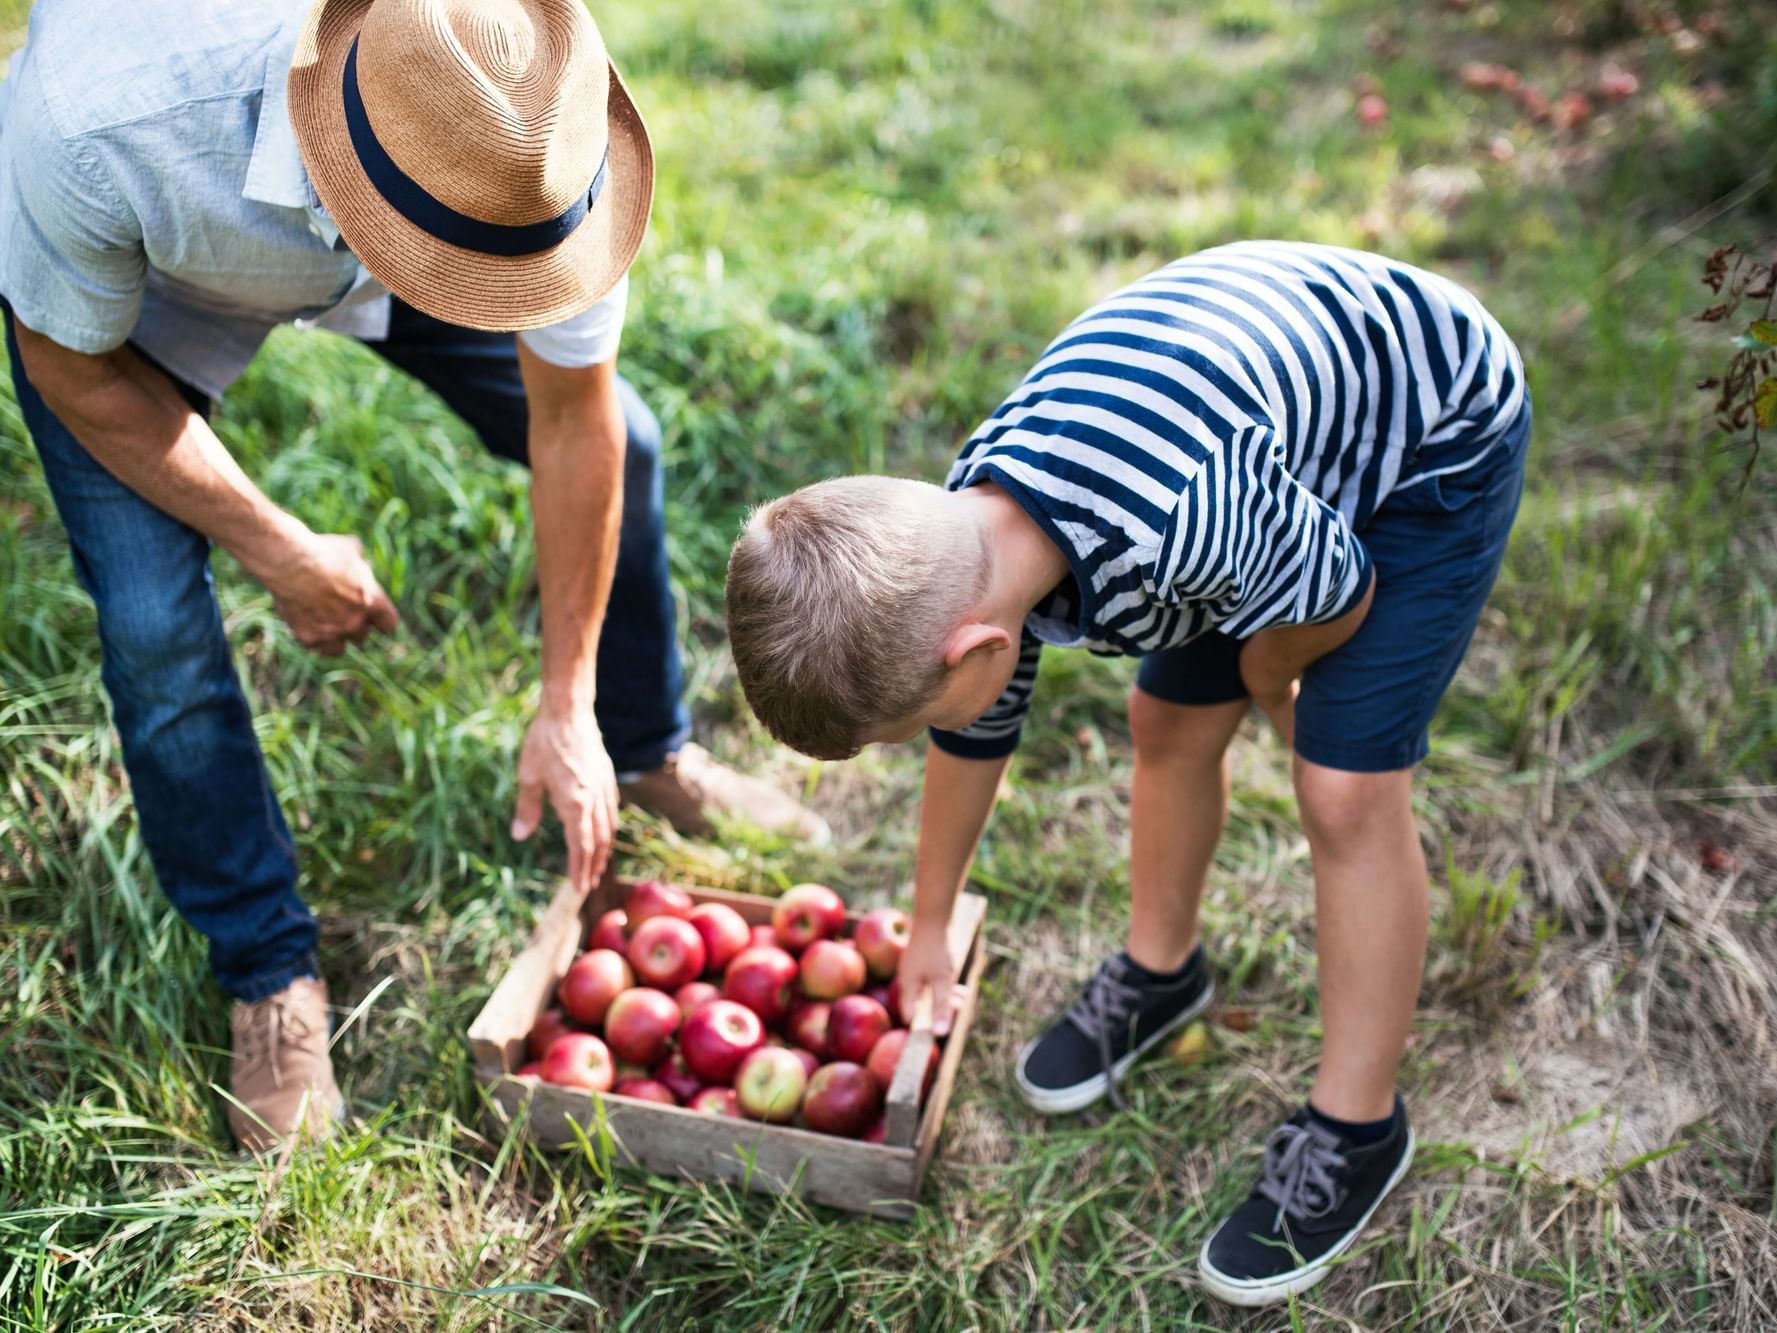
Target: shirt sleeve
587,339
994,734
1258,547
72,263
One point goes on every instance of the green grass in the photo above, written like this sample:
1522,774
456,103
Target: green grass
870,218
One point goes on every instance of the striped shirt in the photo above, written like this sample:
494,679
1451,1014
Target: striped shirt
1206,444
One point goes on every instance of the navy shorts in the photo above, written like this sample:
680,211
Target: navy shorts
1367,706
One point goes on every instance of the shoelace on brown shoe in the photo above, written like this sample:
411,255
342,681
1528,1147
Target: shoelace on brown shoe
262,1027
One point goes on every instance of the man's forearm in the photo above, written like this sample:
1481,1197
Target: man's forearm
959,796
128,416
577,446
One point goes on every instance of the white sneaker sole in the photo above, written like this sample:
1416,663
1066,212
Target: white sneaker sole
1060,1101
1269,1291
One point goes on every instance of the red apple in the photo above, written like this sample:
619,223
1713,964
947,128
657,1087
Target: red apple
842,1098
676,1075
646,1090
808,1026
810,1061
666,952
878,1132
807,913
762,937
893,1003
724,932
1372,110
880,937
717,1101
551,1024
595,979
718,1037
693,995
856,1025
831,968
770,1084
653,898
880,993
886,1054
579,1060
640,1025
611,931
760,979
533,1070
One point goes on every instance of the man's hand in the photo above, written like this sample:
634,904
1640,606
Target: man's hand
564,756
327,594
926,964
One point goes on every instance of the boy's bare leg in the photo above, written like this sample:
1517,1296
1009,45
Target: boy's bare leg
1371,906
1178,803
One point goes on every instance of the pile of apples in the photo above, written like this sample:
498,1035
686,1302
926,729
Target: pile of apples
786,1023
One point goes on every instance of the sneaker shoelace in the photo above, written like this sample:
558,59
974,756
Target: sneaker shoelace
1106,1007
264,1027
1300,1161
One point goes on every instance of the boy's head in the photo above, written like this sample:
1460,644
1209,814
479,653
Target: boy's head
856,614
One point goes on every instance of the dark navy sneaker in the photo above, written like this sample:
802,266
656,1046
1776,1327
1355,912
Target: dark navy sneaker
1122,1012
1315,1193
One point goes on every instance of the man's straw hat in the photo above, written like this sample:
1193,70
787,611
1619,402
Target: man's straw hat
481,157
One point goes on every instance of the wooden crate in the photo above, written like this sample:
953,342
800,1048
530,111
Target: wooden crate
882,1179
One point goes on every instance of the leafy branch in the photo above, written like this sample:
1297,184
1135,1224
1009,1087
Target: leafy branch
1746,392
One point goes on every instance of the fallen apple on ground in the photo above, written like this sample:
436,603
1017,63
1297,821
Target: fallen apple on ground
807,913
842,1098
718,1038
881,937
854,1026
724,933
666,952
770,1084
832,968
640,1025
533,1070
579,1060
595,978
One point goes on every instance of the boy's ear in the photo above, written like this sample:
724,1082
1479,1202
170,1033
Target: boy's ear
974,636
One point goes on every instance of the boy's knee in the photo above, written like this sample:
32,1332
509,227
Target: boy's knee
1165,732
162,640
1340,809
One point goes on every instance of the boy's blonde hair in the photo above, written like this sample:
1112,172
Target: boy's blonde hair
840,597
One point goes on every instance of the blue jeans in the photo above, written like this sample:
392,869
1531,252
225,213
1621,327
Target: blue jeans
208,815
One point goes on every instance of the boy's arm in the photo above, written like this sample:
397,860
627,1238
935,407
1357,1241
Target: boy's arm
1273,659
959,796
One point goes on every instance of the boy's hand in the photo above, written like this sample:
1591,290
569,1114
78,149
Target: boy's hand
926,963
1280,707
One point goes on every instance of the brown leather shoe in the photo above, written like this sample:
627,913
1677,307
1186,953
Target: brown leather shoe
281,1073
691,786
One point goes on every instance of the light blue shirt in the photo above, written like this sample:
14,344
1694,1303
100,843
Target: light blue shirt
151,191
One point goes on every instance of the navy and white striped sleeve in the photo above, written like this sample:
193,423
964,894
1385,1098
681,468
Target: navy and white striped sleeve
994,734
1259,547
